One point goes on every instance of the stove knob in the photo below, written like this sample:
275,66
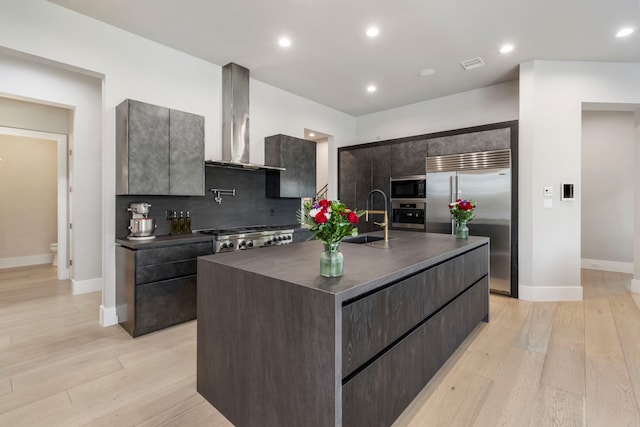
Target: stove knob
269,242
230,244
279,239
250,244
223,246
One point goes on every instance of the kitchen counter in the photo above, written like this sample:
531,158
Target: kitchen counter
163,241
366,266
279,345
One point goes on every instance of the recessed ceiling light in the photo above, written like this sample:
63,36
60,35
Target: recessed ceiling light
371,88
425,72
373,31
506,48
312,134
624,32
284,41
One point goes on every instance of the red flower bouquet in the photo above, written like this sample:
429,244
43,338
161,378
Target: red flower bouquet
330,221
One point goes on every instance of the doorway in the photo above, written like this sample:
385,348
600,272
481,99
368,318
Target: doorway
322,141
24,206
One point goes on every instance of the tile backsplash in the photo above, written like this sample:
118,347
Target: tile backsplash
248,207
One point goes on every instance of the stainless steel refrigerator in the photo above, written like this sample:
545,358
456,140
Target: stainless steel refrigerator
485,178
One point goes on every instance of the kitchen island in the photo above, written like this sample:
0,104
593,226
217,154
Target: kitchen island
279,345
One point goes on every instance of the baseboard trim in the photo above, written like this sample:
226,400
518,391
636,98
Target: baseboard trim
599,264
79,287
108,316
24,261
635,286
550,293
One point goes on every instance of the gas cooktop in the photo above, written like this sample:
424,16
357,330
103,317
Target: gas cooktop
244,229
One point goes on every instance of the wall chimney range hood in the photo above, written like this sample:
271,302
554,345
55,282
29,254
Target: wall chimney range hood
235,121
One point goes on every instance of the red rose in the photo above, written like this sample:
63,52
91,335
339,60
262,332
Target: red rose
321,218
353,218
324,203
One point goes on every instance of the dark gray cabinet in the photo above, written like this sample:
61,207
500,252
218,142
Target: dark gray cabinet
362,170
409,158
396,339
186,154
298,157
156,288
159,151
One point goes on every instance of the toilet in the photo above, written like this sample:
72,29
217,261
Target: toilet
54,248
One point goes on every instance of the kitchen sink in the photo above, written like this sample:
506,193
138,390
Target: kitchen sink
359,240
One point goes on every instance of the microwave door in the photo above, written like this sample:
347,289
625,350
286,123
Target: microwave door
440,192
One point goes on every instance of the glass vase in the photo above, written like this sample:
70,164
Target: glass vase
331,260
462,231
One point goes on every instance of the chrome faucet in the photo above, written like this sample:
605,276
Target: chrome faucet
385,223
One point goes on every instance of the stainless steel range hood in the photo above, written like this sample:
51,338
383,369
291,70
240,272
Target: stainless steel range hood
235,121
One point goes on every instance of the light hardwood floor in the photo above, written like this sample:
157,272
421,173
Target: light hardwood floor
534,364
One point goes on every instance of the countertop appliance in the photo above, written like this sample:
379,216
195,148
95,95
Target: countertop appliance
408,187
251,237
484,177
140,225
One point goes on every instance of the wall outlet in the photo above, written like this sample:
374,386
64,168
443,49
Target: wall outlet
273,212
548,191
168,214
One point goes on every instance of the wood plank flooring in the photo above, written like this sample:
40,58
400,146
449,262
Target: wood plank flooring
534,364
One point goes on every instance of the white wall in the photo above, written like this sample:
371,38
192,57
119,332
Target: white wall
607,189
42,82
27,115
493,104
29,194
551,97
322,162
135,68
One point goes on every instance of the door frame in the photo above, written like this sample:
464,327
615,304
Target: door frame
64,237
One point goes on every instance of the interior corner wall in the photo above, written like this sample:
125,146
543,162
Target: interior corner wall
551,97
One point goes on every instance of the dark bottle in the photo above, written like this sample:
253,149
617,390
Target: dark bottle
187,223
181,224
175,224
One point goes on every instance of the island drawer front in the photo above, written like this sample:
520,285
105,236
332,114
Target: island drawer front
170,270
374,322
476,264
378,395
172,253
166,303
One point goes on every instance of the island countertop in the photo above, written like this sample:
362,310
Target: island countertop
366,266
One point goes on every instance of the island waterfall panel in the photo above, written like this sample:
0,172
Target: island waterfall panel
280,346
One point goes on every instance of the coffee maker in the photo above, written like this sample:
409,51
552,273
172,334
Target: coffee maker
140,225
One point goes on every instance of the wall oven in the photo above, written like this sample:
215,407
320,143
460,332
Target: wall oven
408,202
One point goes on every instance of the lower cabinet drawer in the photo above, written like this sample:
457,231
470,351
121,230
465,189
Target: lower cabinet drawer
170,270
165,303
378,394
172,253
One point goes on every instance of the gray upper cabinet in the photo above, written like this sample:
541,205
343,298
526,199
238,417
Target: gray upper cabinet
409,158
186,154
142,145
158,151
298,157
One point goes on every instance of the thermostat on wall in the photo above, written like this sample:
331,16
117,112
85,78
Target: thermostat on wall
567,192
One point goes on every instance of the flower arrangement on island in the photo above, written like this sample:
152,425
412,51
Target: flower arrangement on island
330,220
462,210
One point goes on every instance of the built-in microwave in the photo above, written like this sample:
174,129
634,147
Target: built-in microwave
409,187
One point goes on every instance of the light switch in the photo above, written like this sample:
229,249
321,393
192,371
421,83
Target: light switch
548,191
548,203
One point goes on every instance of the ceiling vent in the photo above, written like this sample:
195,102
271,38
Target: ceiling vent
472,63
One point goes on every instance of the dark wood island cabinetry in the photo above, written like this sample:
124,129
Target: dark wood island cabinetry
278,345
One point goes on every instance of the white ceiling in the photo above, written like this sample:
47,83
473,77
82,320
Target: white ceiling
331,60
